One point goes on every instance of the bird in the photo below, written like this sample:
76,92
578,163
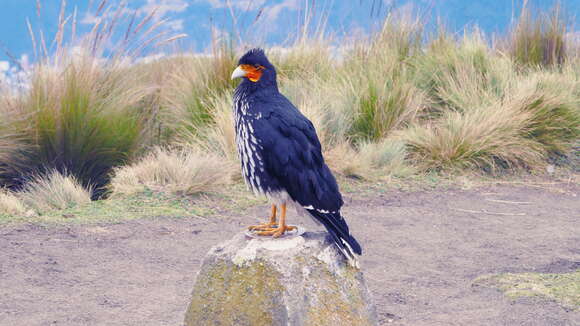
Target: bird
281,156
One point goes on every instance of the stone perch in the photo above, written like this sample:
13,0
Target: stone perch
290,281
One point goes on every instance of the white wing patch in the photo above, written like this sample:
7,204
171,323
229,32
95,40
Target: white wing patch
323,211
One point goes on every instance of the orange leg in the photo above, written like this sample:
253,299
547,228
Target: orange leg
266,225
282,227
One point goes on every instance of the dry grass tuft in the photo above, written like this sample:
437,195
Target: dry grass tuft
460,75
324,103
385,158
10,204
190,84
370,160
489,138
54,191
341,159
219,135
306,57
180,171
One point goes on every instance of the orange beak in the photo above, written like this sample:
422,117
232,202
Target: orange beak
252,73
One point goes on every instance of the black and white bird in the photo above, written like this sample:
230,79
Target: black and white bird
281,155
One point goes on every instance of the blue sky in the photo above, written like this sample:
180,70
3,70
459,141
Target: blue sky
262,21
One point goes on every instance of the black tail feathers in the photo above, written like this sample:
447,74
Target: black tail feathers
338,230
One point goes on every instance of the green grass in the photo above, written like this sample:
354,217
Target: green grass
117,210
146,204
83,121
561,288
389,102
538,41
462,74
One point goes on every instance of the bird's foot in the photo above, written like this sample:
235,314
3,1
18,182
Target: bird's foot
263,227
276,232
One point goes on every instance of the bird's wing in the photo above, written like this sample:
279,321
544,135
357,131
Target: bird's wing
292,154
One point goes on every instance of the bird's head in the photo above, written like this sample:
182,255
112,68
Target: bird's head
255,68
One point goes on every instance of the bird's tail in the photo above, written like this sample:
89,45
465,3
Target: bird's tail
338,230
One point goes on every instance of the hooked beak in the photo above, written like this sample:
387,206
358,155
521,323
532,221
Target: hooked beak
239,72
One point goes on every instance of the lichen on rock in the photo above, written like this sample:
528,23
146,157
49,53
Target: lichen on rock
297,281
226,293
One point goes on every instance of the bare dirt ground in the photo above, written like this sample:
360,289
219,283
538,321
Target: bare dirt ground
422,252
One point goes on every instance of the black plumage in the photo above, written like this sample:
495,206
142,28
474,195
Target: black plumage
280,152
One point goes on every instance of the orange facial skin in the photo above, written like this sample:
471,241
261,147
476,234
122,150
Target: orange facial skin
253,73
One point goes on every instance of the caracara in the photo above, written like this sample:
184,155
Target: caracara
281,155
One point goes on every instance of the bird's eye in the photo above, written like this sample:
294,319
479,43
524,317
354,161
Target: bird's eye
259,67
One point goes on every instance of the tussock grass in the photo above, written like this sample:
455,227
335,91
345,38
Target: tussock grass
338,158
393,104
54,190
554,106
219,136
385,103
462,74
179,171
308,56
81,114
369,160
377,76
385,158
10,204
519,131
191,83
487,138
538,41
484,112
83,120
